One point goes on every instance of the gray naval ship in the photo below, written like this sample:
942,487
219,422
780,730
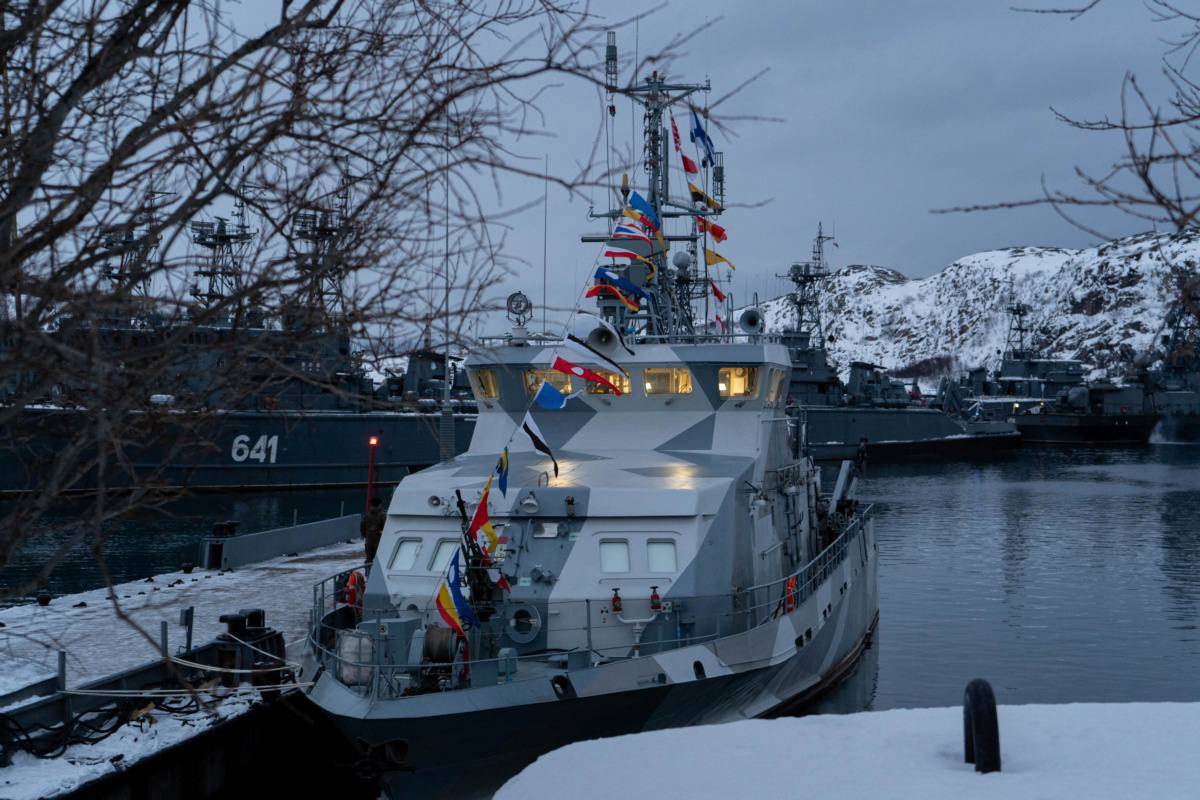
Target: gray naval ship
1049,399
871,409
1175,381
666,555
302,411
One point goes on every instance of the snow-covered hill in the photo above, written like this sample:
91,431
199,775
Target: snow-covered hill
1103,305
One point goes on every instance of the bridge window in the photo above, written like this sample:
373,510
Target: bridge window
534,378
487,387
617,379
406,554
660,556
777,388
667,380
737,381
614,555
443,554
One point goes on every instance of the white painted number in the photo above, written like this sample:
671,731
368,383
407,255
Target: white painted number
264,450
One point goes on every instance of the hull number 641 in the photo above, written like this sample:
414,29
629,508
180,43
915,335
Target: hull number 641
263,450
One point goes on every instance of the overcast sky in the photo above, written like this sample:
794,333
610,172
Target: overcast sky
890,109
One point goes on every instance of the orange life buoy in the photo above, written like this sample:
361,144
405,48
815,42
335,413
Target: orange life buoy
356,586
789,603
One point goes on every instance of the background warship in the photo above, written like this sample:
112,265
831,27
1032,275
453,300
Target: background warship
667,556
301,410
1049,400
894,422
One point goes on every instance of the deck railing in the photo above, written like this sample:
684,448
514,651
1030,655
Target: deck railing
363,658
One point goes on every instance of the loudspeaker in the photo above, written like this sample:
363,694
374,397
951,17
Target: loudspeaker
597,332
751,321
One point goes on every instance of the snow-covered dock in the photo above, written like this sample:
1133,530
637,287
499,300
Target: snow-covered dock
1097,751
98,643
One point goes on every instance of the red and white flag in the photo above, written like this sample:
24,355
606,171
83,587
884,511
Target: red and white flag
570,368
721,323
689,166
717,293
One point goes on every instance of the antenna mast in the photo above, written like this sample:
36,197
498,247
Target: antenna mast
325,229
671,291
226,245
1018,334
807,277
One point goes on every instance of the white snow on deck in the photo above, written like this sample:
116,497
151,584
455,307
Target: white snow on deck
98,643
1096,751
32,778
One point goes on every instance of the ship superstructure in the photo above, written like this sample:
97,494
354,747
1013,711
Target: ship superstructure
632,540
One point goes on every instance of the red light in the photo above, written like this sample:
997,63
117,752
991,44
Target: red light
374,440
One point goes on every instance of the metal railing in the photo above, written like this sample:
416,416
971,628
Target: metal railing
573,633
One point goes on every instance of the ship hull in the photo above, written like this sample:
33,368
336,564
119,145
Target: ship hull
472,750
236,451
1182,428
1113,430
901,434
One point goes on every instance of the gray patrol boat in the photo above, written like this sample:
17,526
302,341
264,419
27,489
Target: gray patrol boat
669,554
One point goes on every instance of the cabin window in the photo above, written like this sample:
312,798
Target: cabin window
487,387
534,378
406,554
737,381
667,380
660,555
618,380
614,555
443,554
775,392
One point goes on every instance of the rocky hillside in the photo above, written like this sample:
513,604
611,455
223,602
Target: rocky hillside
1104,305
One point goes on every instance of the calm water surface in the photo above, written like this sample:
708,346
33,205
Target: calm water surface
1058,575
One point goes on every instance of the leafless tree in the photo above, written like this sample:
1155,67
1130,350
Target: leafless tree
387,124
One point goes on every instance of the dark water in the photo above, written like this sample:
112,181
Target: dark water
160,540
1058,575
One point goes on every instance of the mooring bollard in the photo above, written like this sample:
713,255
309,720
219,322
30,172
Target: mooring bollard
981,727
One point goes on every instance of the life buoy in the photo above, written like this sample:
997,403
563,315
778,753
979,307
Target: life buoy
789,599
356,586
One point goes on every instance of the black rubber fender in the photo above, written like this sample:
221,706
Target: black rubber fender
981,727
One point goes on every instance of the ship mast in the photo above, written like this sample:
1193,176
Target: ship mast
672,287
1015,343
226,245
133,244
325,230
807,277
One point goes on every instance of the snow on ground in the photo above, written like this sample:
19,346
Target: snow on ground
98,643
1095,751
29,777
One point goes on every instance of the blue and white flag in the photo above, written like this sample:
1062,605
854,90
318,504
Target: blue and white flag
550,398
700,137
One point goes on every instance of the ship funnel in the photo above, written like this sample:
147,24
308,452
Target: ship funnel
751,321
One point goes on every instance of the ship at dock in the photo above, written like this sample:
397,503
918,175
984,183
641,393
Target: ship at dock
1049,399
870,409
303,410
634,539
